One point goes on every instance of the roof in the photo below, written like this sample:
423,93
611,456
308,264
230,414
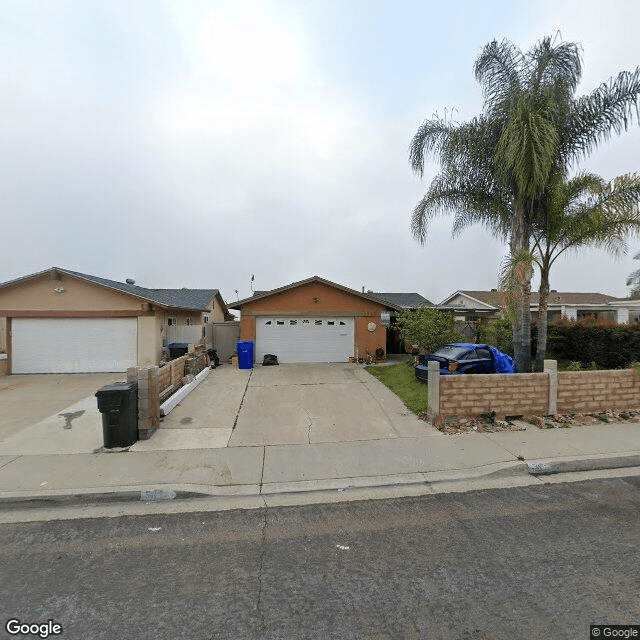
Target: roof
192,299
497,298
404,300
257,295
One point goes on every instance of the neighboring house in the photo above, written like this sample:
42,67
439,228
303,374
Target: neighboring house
61,321
482,306
315,320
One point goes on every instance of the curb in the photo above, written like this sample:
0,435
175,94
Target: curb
545,467
357,487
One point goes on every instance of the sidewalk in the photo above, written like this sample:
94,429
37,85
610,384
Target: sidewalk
39,464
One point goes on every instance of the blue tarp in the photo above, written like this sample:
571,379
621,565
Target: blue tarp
503,362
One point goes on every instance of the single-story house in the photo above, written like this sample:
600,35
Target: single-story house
482,306
61,321
315,320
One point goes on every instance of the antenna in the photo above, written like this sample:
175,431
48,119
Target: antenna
237,296
252,279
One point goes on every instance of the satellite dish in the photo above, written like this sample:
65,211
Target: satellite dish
130,281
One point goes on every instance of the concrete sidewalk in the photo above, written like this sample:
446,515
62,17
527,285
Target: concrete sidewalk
317,453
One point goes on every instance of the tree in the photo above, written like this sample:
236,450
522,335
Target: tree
427,328
496,168
585,211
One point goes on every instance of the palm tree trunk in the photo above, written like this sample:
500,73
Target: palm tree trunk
519,243
543,323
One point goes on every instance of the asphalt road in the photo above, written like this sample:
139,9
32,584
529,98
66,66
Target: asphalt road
536,562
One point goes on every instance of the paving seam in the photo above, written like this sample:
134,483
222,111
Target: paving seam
2,466
235,422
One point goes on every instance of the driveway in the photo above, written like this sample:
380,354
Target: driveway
29,399
286,404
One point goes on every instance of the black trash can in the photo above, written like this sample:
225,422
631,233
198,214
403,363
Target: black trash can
177,349
214,361
118,404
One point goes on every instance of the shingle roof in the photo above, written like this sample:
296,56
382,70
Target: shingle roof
192,299
260,294
405,300
497,298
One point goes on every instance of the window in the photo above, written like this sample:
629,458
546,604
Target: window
293,322
189,322
330,323
342,324
280,322
205,319
318,323
305,322
267,323
172,322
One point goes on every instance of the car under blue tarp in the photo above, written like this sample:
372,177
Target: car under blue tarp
503,362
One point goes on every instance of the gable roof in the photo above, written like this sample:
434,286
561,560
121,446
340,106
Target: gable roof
404,300
496,298
190,299
257,295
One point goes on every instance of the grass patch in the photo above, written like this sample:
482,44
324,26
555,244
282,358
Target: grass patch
401,379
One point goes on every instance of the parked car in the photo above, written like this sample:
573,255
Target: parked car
456,359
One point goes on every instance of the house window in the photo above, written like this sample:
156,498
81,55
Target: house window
267,323
279,322
330,322
189,322
305,322
293,322
318,323
172,322
206,319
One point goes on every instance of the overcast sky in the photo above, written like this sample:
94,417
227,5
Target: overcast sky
195,143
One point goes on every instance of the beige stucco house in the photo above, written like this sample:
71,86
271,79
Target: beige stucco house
61,321
482,306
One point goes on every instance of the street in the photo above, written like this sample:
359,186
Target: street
542,561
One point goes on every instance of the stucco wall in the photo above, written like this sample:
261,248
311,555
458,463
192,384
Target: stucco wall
39,295
319,299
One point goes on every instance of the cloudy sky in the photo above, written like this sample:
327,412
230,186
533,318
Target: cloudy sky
195,143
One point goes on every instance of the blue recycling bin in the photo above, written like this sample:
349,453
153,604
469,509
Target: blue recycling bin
245,354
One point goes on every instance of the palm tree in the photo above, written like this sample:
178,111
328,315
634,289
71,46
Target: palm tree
496,168
585,211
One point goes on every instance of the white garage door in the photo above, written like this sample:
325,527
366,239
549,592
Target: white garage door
300,339
73,345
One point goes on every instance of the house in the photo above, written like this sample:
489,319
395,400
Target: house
315,320
482,306
61,321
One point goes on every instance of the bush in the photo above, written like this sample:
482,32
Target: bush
428,328
498,333
609,345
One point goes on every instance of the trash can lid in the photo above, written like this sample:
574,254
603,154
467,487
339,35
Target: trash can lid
117,387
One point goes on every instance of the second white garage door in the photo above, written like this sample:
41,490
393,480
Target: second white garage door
73,345
300,339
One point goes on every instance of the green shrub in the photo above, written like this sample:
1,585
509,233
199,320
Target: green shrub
594,344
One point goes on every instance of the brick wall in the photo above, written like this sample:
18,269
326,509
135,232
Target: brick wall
533,393
506,394
588,391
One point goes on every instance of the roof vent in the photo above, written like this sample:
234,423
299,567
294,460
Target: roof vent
130,281
554,291
494,290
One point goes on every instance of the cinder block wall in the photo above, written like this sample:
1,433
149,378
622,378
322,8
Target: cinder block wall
506,394
586,391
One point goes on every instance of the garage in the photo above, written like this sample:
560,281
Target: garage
315,320
74,345
305,339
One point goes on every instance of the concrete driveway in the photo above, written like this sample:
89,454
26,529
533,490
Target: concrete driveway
313,403
287,404
51,414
